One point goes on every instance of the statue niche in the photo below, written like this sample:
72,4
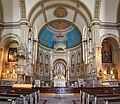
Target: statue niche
59,71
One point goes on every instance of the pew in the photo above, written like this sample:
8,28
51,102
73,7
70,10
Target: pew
112,101
32,95
14,96
7,101
90,93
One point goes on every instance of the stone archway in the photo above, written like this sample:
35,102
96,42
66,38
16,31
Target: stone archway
59,69
110,60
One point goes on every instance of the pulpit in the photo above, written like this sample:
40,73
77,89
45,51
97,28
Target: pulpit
59,82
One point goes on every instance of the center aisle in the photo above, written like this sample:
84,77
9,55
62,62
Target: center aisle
52,98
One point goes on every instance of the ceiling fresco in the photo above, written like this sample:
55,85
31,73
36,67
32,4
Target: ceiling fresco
60,12
59,31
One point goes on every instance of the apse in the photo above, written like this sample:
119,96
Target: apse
60,31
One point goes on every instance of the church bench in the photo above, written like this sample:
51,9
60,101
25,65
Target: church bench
112,101
21,98
7,101
31,96
101,97
88,92
35,92
28,95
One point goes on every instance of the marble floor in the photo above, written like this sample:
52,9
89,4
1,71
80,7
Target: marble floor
50,98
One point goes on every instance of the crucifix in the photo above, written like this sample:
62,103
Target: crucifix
59,36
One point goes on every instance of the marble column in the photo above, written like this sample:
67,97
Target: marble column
35,46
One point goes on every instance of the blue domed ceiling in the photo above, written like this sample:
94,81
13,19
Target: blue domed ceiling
59,31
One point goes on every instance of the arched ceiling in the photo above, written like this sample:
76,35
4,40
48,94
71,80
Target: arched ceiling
78,12
14,9
60,31
44,12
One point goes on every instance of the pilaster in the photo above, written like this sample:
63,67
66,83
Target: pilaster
35,46
22,53
97,46
1,59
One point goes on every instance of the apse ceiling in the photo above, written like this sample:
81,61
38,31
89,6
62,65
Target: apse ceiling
59,31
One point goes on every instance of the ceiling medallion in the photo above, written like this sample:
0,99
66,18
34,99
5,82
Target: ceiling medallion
60,12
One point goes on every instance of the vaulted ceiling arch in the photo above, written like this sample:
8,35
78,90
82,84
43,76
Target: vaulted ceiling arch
82,13
41,4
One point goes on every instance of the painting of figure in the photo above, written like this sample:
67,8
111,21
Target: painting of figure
106,54
12,55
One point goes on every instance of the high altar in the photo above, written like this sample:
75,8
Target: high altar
59,82
59,78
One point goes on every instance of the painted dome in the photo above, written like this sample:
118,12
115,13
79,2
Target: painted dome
59,31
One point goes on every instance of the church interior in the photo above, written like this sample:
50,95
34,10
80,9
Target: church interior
60,49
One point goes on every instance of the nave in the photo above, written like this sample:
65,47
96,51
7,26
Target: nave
49,98
57,95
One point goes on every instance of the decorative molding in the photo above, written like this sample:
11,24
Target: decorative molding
105,25
60,12
77,2
97,9
109,35
44,13
64,5
76,12
75,16
10,34
11,25
22,8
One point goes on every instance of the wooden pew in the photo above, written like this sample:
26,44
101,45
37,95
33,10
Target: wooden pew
112,101
7,101
13,96
30,93
88,92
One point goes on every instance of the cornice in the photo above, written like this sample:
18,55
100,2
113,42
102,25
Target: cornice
105,25
11,25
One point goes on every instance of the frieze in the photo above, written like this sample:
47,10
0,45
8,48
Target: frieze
97,9
14,24
22,8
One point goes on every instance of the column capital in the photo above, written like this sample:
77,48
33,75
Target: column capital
35,40
97,46
1,48
24,22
